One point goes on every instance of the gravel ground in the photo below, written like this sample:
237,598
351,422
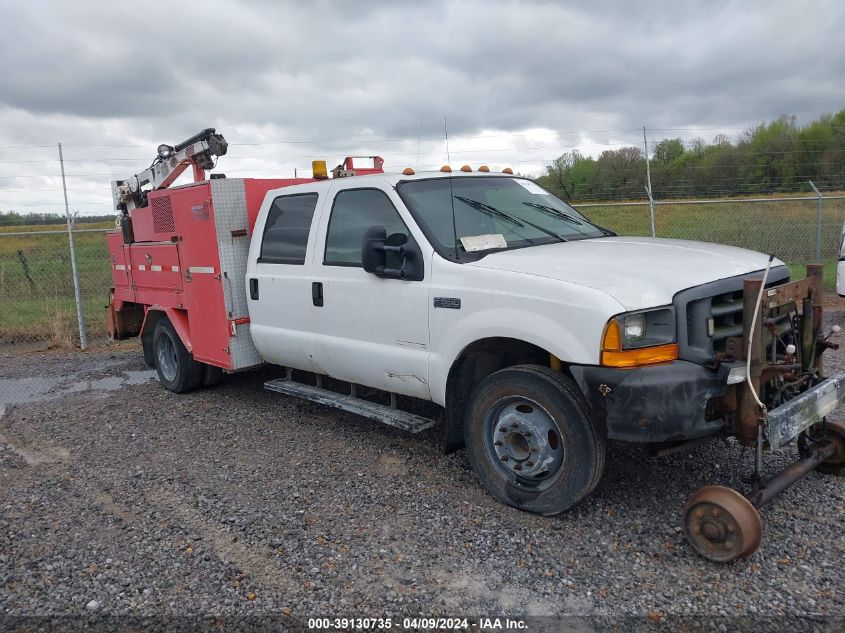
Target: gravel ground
120,498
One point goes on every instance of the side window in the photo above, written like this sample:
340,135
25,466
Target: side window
354,211
286,232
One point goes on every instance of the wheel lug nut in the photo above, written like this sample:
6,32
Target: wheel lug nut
715,512
504,458
517,467
497,443
731,529
502,429
514,425
529,464
527,434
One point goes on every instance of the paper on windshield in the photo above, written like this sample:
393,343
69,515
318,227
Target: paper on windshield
531,187
475,243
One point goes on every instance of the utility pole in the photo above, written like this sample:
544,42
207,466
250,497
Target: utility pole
648,185
83,339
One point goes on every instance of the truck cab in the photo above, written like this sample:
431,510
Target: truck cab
540,333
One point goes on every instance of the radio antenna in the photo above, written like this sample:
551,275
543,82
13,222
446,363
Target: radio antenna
451,191
419,139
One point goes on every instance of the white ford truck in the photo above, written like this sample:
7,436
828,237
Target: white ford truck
540,334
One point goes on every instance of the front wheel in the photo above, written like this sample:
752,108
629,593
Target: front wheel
177,370
531,440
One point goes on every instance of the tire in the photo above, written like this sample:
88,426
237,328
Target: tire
149,354
177,370
211,375
531,440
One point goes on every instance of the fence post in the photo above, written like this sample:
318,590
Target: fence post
83,338
818,223
648,185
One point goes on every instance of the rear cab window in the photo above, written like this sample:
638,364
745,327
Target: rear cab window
285,238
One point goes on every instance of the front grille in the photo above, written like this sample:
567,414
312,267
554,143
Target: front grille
726,312
722,302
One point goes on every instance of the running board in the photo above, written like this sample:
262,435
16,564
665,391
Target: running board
372,410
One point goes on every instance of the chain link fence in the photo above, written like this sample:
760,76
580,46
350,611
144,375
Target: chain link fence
790,228
37,308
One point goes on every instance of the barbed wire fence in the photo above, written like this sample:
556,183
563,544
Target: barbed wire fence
38,307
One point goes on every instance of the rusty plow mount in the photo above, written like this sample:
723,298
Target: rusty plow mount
720,523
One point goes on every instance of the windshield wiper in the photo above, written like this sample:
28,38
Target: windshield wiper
491,210
553,212
565,216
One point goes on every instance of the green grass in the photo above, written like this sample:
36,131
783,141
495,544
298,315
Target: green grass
785,229
36,286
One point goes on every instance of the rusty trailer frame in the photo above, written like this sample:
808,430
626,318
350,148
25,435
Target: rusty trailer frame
721,523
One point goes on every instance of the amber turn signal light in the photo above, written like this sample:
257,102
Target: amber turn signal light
612,354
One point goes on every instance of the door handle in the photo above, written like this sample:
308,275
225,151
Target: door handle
317,293
253,289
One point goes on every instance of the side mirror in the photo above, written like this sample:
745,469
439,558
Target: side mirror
375,248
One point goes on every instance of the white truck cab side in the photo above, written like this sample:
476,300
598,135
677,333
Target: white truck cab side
540,333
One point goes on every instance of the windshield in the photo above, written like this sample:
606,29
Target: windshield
492,213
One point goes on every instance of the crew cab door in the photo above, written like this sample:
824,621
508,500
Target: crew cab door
279,280
368,330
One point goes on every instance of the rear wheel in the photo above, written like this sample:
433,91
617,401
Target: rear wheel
531,440
177,370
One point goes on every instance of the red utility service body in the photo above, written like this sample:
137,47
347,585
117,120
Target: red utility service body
188,260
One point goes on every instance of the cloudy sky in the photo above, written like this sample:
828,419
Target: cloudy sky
519,82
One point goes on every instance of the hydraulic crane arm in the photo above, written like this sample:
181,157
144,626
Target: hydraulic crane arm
199,151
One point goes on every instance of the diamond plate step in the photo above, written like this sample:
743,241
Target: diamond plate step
374,411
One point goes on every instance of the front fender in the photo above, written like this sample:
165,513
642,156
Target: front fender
565,319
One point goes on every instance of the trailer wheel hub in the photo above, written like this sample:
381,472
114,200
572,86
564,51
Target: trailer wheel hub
721,524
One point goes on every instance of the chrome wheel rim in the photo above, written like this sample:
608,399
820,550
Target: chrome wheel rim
523,442
166,354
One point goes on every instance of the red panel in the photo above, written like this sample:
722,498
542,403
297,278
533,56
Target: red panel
203,288
157,222
155,266
119,264
256,190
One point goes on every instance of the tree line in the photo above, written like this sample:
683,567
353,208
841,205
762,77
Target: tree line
780,156
13,218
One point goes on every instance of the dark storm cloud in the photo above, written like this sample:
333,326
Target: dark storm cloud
115,73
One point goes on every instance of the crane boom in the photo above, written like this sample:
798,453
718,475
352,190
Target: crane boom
199,151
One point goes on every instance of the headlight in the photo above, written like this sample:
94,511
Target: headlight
640,338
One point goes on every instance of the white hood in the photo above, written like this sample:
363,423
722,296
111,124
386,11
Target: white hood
639,272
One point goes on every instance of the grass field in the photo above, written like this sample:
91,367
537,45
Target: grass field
785,229
36,286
